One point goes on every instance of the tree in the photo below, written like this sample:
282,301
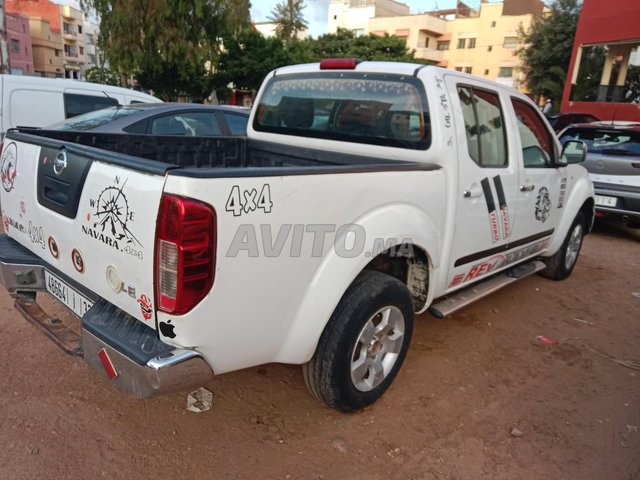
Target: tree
345,43
288,19
166,44
246,59
548,44
102,75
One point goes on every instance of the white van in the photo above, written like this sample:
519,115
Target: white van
38,101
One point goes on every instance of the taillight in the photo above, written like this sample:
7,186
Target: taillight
339,63
185,253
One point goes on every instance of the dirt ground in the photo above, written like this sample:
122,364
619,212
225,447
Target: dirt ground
479,397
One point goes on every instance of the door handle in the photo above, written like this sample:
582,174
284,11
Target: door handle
527,188
471,193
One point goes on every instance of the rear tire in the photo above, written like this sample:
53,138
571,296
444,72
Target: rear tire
560,265
363,345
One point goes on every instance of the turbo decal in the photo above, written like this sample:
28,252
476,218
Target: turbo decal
504,210
112,219
146,307
9,166
491,207
543,205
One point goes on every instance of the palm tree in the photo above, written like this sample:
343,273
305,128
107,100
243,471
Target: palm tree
288,19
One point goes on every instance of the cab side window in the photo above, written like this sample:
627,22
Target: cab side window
484,125
537,143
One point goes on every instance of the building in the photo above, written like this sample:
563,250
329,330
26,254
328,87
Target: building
19,44
480,41
47,49
4,54
604,72
268,29
354,15
62,20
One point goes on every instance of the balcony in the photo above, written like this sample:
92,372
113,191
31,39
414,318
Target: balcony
430,54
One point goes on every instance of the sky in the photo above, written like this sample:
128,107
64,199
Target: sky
315,12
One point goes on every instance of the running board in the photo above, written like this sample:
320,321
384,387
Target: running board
454,302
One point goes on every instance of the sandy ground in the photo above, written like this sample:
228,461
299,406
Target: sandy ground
479,397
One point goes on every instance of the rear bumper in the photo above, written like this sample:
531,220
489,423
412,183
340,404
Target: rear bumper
628,200
142,365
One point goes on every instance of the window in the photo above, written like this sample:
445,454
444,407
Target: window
15,45
385,109
358,32
458,69
57,53
484,125
510,42
193,124
486,71
489,48
335,17
93,119
237,123
537,141
80,29
493,24
468,69
461,42
443,45
505,72
472,43
81,50
75,104
426,42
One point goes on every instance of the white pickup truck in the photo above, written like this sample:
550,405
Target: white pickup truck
364,193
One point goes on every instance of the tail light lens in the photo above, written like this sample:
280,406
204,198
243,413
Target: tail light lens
185,253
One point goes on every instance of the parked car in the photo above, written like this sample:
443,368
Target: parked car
613,162
560,121
188,119
37,101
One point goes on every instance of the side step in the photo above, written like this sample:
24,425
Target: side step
454,302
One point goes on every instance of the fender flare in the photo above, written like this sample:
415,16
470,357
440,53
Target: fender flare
334,275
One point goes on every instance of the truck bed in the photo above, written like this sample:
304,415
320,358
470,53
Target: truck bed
211,156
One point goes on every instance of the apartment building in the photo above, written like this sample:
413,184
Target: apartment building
355,14
19,44
64,24
47,48
482,41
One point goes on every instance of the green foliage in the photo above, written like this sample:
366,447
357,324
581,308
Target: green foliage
288,19
549,42
345,43
166,44
246,60
102,75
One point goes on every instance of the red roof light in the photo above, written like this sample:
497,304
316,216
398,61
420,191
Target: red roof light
339,63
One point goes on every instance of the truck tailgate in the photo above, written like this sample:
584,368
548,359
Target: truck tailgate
87,217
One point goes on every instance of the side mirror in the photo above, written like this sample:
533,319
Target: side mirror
573,151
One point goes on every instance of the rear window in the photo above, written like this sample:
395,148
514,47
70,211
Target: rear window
388,110
614,142
75,104
94,119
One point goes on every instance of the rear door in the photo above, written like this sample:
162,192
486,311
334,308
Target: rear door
488,181
90,214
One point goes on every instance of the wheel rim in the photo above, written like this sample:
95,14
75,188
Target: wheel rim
377,348
573,247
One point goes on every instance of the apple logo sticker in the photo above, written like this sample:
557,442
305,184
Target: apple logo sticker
167,329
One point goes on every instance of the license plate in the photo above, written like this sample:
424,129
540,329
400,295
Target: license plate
605,201
70,297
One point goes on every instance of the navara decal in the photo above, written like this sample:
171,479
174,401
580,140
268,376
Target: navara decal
112,216
491,208
543,205
563,192
246,201
9,166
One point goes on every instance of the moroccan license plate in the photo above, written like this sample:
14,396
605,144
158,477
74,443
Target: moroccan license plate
605,201
70,297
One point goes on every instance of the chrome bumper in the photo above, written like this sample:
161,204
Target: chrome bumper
174,370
